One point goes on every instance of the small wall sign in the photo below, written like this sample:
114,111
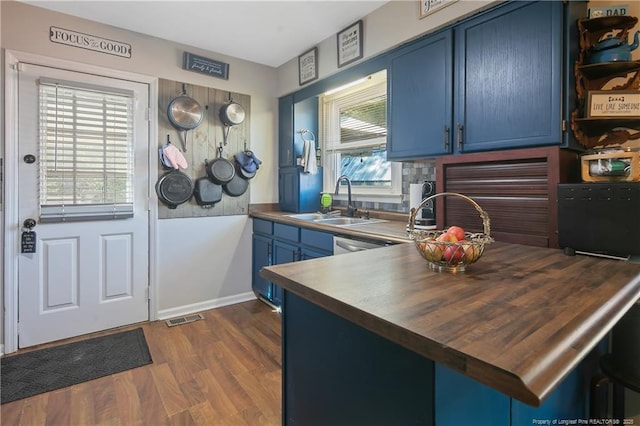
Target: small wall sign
617,10
350,44
613,103
308,66
89,42
427,7
206,66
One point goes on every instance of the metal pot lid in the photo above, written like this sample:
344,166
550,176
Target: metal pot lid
185,112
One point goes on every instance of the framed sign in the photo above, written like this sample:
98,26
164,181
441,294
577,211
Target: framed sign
308,66
350,44
206,66
427,7
613,103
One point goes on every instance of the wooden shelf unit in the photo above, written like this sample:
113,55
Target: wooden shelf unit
593,132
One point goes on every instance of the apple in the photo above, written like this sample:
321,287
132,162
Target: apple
457,231
471,252
447,237
453,253
432,250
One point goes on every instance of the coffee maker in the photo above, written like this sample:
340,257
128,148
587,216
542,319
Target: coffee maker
426,218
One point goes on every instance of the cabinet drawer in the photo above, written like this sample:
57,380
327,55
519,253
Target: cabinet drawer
262,226
286,232
317,239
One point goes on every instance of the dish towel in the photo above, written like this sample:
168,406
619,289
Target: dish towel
309,157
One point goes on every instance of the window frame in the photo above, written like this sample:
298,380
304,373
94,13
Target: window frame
79,211
329,106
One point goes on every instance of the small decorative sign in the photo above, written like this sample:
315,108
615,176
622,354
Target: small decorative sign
618,10
350,44
613,103
308,66
206,66
28,243
86,41
427,7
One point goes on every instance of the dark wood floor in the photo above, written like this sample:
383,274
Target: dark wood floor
223,370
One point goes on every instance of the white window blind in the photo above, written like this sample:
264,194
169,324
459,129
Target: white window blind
86,152
354,135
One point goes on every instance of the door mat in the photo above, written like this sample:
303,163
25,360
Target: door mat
56,367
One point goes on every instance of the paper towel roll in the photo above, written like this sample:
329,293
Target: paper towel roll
415,195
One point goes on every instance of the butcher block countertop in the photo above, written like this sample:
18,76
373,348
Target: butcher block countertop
519,320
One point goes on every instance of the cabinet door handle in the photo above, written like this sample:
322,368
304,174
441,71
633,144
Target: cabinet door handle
445,138
460,140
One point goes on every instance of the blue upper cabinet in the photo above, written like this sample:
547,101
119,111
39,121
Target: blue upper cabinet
420,86
292,117
286,155
509,86
509,66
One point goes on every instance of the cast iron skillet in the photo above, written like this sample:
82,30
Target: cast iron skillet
174,188
236,186
220,170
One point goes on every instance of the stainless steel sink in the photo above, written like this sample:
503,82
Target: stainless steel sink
346,221
335,220
306,216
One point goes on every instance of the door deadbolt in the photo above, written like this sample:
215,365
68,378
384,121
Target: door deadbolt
29,158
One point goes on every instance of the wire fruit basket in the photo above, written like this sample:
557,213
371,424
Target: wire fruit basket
446,254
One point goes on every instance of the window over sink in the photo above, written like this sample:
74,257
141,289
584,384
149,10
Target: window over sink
354,139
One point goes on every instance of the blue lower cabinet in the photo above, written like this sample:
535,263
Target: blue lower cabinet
276,243
460,400
338,373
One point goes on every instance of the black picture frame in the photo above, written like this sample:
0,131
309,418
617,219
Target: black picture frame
308,66
350,44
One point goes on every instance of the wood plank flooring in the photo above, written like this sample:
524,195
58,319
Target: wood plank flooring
224,370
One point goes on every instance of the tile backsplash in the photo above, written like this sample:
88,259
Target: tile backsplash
412,172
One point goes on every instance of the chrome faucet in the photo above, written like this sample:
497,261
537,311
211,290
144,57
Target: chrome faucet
351,211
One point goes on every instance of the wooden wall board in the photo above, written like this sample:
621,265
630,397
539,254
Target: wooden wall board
202,144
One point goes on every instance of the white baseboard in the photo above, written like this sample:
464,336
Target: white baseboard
1,349
206,305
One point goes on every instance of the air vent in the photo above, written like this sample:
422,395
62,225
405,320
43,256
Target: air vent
184,320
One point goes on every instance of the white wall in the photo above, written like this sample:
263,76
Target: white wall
185,279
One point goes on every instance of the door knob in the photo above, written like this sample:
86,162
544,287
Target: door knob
29,223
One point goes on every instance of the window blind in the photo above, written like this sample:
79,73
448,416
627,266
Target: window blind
86,153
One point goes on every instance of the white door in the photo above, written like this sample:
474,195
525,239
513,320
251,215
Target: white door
89,272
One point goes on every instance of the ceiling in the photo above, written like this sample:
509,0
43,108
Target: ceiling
266,32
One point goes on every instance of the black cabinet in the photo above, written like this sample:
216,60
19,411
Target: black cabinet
507,87
600,218
276,243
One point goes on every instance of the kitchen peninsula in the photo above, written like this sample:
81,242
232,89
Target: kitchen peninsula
376,337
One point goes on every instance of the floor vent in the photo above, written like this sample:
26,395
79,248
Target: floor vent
184,320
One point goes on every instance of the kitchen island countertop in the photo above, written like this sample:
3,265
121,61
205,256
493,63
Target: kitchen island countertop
519,320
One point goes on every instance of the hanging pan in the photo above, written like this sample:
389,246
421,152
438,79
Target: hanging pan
236,186
185,113
174,188
207,193
231,114
220,170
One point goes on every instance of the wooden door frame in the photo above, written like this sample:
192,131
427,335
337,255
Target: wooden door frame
11,225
